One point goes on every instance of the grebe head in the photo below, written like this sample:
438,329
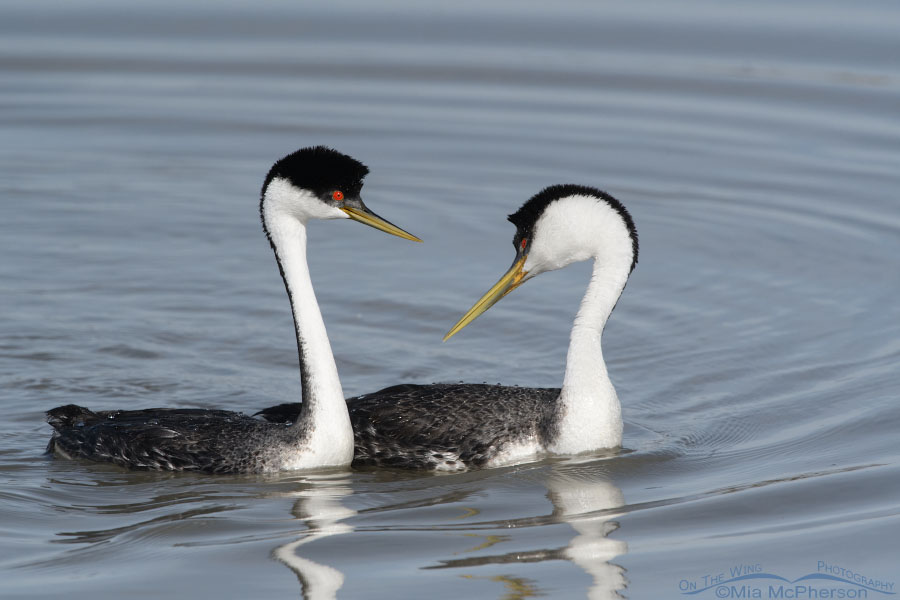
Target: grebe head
556,227
320,183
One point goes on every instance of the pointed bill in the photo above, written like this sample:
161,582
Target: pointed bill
364,215
510,281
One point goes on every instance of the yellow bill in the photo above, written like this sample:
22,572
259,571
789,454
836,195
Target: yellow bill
366,216
510,281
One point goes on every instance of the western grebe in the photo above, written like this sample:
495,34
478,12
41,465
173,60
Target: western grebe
459,426
311,183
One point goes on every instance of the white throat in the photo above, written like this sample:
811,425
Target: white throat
324,423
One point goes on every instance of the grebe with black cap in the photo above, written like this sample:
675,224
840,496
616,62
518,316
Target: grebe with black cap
312,183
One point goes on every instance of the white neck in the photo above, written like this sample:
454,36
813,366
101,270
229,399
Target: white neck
580,227
588,415
324,423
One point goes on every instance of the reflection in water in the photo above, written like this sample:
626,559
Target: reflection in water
587,502
319,507
589,505
517,588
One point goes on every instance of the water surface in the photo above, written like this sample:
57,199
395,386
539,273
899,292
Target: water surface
755,349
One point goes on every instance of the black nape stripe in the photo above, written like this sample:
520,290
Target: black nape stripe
526,217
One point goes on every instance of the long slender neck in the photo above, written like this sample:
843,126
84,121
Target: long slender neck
324,421
588,415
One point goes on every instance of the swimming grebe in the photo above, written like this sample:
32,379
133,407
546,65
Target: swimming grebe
311,183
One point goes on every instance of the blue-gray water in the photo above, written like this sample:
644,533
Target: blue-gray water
756,349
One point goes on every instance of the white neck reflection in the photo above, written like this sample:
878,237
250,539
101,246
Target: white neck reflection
583,498
589,504
319,506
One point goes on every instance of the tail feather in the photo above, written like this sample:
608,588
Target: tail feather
70,415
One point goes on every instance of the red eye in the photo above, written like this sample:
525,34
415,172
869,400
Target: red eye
523,243
338,195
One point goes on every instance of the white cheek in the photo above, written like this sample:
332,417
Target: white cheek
536,263
326,211
554,247
284,198
567,232
314,208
